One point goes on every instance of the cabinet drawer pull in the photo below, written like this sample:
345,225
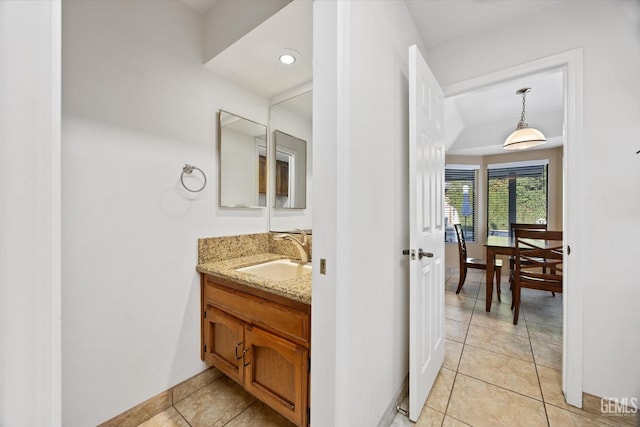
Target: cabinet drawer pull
244,363
238,357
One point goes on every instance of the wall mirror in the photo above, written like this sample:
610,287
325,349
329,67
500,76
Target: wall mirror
243,162
290,171
290,124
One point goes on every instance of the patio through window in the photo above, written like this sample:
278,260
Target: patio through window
516,193
460,201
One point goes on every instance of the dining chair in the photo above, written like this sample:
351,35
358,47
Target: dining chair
538,264
478,263
512,232
522,226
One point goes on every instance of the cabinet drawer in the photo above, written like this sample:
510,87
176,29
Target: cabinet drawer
272,316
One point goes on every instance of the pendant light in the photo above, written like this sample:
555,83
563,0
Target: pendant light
524,136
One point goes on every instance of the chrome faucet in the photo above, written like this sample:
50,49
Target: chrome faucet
301,245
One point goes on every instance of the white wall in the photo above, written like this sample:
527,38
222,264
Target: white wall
360,215
239,169
608,32
137,106
30,213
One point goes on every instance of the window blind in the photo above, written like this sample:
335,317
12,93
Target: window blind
516,194
460,202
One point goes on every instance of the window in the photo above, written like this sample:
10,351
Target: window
460,201
516,193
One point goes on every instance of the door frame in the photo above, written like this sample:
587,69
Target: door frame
571,64
31,226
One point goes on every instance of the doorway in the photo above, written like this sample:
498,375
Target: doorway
570,65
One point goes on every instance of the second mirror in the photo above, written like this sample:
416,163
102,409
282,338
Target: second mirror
290,171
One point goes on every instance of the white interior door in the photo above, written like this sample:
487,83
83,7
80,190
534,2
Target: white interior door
426,180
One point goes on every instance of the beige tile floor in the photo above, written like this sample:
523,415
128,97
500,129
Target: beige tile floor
220,403
494,374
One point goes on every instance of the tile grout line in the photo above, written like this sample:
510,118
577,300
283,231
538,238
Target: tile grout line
446,409
535,366
546,414
173,402
241,412
491,384
498,330
532,360
494,330
193,393
173,405
597,417
455,376
182,416
453,384
501,387
502,354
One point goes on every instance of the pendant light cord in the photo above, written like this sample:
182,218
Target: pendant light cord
521,123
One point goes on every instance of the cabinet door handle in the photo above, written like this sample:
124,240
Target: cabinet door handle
244,363
238,357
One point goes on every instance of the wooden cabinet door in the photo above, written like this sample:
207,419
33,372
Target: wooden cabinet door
282,178
224,343
262,174
277,373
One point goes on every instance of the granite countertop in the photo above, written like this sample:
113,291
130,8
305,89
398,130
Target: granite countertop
297,289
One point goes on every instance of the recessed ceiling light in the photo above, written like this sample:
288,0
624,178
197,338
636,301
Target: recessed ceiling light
287,56
287,59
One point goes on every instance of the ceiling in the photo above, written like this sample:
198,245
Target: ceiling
253,61
545,96
478,122
200,5
482,118
440,21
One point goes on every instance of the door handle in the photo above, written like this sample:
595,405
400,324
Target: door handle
421,253
238,346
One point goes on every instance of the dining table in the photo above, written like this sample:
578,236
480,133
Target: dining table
502,245
496,245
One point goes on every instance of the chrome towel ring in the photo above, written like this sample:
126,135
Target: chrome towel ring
188,169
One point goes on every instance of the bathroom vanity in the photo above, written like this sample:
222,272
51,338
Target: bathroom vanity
256,327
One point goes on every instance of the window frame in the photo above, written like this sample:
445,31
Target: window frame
544,163
474,169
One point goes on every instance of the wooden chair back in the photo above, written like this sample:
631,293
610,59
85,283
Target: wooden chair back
538,263
462,246
477,263
512,232
523,226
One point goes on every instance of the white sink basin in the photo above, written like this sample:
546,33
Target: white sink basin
281,269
